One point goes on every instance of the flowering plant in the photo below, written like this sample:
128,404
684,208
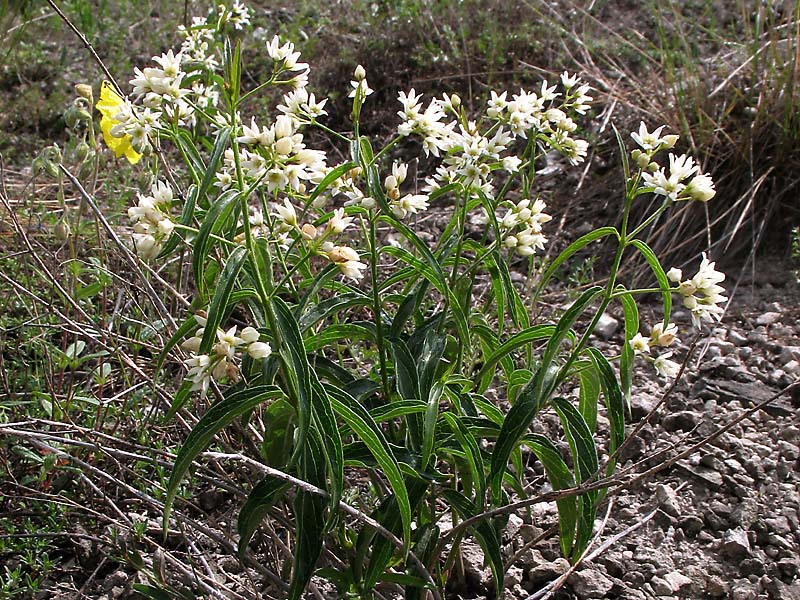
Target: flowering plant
351,341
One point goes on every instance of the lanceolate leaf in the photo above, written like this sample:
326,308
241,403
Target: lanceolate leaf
518,340
309,513
536,394
615,405
360,421
581,242
219,416
213,222
220,301
661,276
261,498
589,392
473,454
628,355
560,477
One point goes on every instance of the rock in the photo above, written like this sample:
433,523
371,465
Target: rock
792,367
779,590
736,338
743,590
735,544
513,526
768,318
677,580
668,500
546,572
590,583
606,326
681,421
691,525
716,587
513,577
789,353
660,586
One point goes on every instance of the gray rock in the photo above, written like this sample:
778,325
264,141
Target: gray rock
590,583
546,572
606,326
735,544
736,338
685,420
789,353
660,586
768,318
744,590
668,500
716,587
677,580
792,367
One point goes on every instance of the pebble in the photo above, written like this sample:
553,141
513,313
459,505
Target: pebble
677,580
668,500
606,326
735,544
768,318
590,583
736,337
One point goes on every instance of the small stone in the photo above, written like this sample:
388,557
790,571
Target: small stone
789,353
744,590
668,500
606,326
691,525
590,583
716,587
660,586
677,580
735,544
546,572
724,348
768,318
685,420
513,526
736,338
792,367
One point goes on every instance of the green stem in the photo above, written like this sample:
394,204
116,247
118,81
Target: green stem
376,298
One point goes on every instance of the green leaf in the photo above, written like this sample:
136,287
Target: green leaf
220,145
186,327
213,222
581,242
330,306
589,392
260,499
309,515
537,393
326,182
360,421
518,340
279,421
220,301
343,331
628,355
485,534
560,477
473,454
661,276
219,415
615,403
187,215
584,457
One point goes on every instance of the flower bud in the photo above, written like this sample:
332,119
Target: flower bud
642,161
360,74
84,91
669,141
309,231
455,100
82,151
62,231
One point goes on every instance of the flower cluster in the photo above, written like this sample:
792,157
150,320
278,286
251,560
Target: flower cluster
527,218
471,156
221,363
402,206
152,224
676,185
701,294
659,336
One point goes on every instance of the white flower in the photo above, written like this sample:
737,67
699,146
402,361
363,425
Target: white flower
663,337
700,188
339,222
348,261
649,141
409,204
259,350
286,213
666,367
706,283
249,335
639,344
674,274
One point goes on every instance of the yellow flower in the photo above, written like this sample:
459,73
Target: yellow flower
109,105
